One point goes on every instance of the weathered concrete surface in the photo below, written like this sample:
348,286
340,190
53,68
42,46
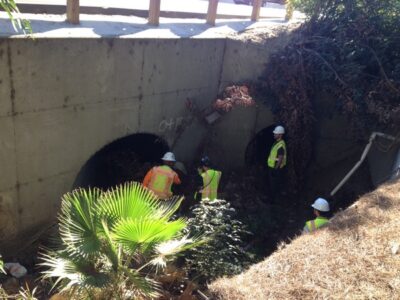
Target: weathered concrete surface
63,100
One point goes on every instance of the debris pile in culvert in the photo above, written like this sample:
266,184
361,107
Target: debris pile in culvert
355,257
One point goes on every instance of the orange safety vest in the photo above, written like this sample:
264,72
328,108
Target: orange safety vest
161,181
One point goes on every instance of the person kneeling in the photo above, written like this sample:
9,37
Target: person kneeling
321,208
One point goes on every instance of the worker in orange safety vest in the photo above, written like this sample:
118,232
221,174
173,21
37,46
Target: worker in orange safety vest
321,208
161,178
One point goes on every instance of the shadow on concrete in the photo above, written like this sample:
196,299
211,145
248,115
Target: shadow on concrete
132,27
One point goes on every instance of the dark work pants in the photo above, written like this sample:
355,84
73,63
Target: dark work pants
276,179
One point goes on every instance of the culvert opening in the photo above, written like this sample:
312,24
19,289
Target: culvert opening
258,149
126,159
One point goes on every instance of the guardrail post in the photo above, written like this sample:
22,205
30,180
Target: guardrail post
154,12
256,10
212,11
73,11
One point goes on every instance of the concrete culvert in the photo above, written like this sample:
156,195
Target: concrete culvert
126,159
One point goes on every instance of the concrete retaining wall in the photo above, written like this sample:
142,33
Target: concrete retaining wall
62,100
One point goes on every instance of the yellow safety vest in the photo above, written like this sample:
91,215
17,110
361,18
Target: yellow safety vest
317,223
210,184
161,181
273,155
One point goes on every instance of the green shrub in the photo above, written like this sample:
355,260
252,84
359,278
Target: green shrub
223,254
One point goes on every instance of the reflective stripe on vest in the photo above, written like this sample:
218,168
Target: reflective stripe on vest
210,183
317,223
161,181
273,155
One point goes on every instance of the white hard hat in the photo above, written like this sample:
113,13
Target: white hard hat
279,130
321,204
169,156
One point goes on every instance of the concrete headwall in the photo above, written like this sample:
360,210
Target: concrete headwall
62,100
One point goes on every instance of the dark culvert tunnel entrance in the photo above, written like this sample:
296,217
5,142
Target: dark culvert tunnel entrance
284,218
258,148
126,159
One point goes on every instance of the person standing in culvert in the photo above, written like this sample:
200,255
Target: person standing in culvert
321,209
211,178
161,178
277,162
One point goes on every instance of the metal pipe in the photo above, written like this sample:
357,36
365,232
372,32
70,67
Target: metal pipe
363,156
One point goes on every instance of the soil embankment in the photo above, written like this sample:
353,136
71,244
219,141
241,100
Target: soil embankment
355,257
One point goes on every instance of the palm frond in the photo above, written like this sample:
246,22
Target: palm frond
170,248
110,248
79,221
2,265
146,286
129,200
70,272
145,233
167,208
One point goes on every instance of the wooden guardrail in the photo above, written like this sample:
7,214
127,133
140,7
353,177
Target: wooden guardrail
154,11
73,11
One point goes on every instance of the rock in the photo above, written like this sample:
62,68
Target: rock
16,269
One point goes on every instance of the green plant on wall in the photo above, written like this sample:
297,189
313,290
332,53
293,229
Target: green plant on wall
11,8
113,242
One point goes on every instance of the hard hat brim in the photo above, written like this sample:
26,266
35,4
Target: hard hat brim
318,208
276,132
165,159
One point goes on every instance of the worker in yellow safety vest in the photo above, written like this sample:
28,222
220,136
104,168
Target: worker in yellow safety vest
277,162
161,178
321,208
211,179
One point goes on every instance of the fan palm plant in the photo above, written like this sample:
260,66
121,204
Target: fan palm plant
2,266
113,241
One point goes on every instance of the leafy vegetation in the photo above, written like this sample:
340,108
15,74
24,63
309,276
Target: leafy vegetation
2,265
223,254
114,242
10,7
348,50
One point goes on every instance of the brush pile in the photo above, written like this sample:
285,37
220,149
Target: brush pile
234,95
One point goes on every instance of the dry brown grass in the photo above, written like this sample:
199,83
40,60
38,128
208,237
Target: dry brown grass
355,257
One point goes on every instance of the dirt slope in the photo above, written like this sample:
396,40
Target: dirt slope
356,257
